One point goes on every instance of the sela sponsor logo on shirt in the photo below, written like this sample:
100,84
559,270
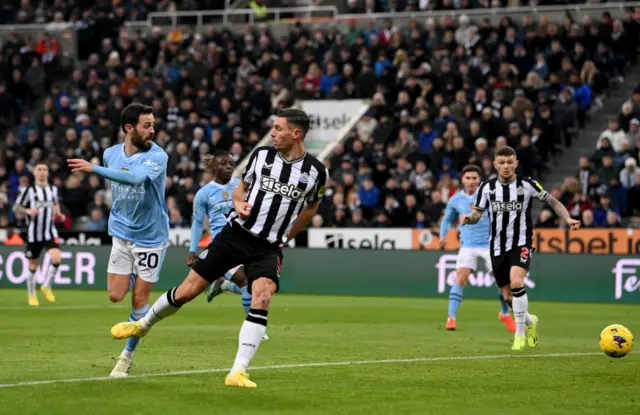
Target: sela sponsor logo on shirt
511,206
44,204
269,184
626,277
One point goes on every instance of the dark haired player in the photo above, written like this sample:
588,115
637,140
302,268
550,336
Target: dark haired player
280,191
139,219
213,200
39,203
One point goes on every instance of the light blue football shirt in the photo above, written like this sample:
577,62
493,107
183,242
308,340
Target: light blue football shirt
213,200
139,212
471,236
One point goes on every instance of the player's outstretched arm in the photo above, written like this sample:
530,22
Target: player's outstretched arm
151,169
132,177
562,212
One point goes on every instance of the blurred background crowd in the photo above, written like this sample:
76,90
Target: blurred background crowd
445,93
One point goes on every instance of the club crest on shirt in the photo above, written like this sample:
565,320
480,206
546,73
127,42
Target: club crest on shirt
304,177
225,195
520,191
471,205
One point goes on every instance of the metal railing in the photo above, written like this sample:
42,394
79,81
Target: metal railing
502,11
203,17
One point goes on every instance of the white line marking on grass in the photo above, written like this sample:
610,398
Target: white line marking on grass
96,307
296,366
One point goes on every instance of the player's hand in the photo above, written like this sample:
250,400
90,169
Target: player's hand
573,224
191,259
243,209
80,165
465,219
61,216
443,241
32,212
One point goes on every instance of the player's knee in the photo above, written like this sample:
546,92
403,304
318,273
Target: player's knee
461,280
116,297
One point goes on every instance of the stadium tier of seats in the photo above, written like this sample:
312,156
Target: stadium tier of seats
445,92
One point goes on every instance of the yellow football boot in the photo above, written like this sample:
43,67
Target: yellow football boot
48,294
128,329
519,343
239,378
33,300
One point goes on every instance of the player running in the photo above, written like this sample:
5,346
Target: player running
508,198
39,203
214,201
139,220
474,245
280,191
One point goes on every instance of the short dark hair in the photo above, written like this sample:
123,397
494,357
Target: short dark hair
505,151
132,112
471,168
297,118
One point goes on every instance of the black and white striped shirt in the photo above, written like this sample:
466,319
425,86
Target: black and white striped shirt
278,190
44,198
509,207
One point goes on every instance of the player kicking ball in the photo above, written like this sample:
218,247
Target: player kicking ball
214,201
474,245
508,199
280,191
139,220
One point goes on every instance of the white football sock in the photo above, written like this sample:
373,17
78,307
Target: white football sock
164,306
31,283
251,333
51,274
520,310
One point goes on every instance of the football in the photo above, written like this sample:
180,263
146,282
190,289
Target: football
616,341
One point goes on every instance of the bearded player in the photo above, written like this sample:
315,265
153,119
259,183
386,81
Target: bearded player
474,245
139,219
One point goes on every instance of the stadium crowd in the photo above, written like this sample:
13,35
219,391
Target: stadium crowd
64,13
445,93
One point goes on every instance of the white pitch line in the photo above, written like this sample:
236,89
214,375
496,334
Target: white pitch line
95,307
296,366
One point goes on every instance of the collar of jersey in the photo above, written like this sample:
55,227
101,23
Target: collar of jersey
292,161
129,159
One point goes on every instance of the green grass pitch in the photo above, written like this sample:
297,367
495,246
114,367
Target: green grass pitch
327,355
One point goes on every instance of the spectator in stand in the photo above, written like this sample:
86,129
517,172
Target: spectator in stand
628,174
437,104
587,219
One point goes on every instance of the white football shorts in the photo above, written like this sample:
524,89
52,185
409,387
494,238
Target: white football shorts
468,258
230,273
127,258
